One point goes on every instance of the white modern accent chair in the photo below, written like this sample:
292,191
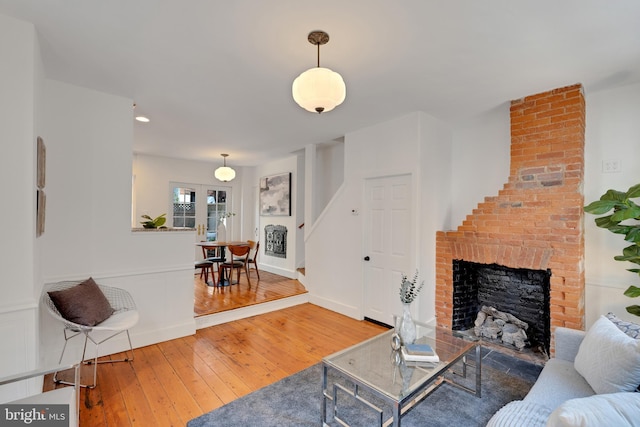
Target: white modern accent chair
122,317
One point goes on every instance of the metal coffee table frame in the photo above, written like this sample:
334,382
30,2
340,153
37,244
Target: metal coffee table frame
452,349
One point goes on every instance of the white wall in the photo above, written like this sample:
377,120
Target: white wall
434,201
330,173
481,158
612,133
89,161
282,266
152,175
416,144
20,69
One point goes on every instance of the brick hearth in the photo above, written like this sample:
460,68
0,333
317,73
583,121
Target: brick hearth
536,220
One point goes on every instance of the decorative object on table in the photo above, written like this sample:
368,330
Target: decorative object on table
624,209
275,195
157,222
408,292
396,341
224,173
318,89
400,366
221,229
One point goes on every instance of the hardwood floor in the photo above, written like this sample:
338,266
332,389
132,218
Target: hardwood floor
214,299
172,382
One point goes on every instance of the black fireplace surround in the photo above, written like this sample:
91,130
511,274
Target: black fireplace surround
521,292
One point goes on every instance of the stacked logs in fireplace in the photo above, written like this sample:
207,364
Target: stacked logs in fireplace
500,326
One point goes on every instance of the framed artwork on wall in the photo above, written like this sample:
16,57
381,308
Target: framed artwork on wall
41,204
41,163
41,198
275,195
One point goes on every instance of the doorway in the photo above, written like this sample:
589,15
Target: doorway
202,208
387,241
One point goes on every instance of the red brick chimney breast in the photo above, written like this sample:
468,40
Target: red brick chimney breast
536,220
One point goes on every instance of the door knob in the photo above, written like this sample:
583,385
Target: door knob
367,258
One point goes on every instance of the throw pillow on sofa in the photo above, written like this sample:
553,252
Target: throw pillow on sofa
629,328
615,409
609,359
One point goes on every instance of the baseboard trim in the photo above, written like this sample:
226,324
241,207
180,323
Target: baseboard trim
377,322
251,310
338,307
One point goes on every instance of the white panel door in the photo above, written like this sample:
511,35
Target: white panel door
388,243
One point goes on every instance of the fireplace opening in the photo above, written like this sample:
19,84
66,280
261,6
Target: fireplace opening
520,292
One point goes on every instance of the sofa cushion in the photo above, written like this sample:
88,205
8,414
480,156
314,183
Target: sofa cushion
629,328
609,359
615,409
84,304
520,413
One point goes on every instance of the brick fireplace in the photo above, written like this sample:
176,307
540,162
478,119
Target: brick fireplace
536,220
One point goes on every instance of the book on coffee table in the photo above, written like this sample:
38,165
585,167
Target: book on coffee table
411,354
420,349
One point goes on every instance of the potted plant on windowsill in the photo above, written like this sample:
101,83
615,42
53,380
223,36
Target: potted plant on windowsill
625,220
157,222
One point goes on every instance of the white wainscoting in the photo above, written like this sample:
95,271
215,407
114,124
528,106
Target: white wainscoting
164,300
602,298
19,337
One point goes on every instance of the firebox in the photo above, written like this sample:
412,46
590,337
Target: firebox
520,292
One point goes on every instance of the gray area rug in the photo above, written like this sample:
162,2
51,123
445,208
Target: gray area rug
295,400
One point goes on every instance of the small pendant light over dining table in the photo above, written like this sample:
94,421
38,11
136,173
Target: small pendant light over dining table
224,173
318,89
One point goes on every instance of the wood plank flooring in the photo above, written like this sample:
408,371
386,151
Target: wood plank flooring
172,382
214,299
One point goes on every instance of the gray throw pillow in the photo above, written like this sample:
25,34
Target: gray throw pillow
84,304
629,328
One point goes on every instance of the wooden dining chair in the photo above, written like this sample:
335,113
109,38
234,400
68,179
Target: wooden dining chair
205,266
215,255
253,255
238,261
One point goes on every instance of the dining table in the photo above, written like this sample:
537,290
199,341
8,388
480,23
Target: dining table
206,245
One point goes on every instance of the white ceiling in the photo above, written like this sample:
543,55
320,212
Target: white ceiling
214,76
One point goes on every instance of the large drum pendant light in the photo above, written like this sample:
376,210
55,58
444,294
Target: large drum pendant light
319,89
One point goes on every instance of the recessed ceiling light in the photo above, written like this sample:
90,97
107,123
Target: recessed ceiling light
142,119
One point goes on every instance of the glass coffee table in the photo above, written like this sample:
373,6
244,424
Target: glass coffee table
373,366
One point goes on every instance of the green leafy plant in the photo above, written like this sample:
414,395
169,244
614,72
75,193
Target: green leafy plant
625,220
157,222
409,289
